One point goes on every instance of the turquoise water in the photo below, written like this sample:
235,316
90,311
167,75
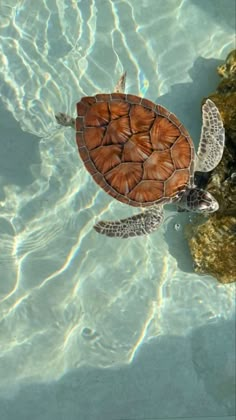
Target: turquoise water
70,298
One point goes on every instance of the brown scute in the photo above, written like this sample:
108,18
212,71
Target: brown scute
107,188
119,109
122,198
177,182
93,136
147,103
98,114
140,118
106,157
90,167
158,166
161,110
79,123
118,96
133,99
82,108
118,131
184,132
80,139
163,133
124,177
83,151
88,100
147,191
137,148
137,204
99,179
175,120
103,97
181,153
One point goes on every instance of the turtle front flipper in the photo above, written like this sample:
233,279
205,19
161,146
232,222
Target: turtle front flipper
140,224
212,140
120,86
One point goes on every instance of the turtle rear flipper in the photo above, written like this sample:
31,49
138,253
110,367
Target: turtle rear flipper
212,139
65,120
140,224
120,86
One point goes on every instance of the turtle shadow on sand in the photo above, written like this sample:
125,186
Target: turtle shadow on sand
176,241
142,388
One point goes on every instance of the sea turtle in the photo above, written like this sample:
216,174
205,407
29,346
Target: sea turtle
142,155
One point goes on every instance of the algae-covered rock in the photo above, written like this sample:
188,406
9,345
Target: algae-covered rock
222,185
228,69
213,247
225,97
213,242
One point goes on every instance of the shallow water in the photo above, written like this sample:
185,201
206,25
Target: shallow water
68,296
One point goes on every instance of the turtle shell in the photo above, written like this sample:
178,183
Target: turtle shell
138,152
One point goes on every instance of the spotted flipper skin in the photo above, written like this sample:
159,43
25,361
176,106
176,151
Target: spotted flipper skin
140,224
212,140
65,120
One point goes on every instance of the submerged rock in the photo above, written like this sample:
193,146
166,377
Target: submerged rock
213,241
213,247
228,69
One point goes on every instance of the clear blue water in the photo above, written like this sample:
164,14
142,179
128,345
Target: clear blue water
92,327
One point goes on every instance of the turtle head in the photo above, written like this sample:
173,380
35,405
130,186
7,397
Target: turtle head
199,201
